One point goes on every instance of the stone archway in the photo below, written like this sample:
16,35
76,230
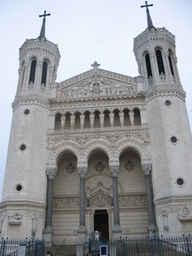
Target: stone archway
66,199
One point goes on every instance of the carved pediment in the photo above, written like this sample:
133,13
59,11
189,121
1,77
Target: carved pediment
93,84
100,199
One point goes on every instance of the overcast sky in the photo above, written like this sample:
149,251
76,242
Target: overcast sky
87,31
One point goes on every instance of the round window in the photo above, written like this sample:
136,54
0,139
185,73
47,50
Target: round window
173,139
22,147
18,187
26,112
180,181
167,102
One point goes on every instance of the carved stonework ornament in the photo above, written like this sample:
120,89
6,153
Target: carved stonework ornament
82,171
66,202
15,219
146,169
129,166
99,167
100,199
185,214
133,201
51,172
114,170
70,168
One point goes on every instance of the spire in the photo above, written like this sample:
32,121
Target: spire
149,21
42,33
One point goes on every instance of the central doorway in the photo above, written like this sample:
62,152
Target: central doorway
101,224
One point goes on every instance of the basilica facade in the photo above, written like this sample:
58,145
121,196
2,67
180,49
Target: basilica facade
99,151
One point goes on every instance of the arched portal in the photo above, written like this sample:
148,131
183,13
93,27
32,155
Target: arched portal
99,197
66,198
133,197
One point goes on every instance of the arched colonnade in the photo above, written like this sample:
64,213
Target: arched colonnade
82,166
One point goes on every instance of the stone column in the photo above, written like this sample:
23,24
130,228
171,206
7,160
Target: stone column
167,66
72,119
154,67
63,122
121,116
52,121
131,115
82,120
116,227
111,116
51,172
151,214
101,116
143,115
82,171
92,116
38,74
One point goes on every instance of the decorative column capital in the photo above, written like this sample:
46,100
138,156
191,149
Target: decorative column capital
147,168
114,170
51,172
82,171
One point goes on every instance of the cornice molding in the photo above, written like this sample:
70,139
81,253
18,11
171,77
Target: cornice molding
155,92
23,203
30,100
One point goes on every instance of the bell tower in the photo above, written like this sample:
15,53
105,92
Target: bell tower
170,136
24,191
38,63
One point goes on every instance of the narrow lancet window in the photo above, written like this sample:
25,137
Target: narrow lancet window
170,63
44,73
148,65
160,62
32,71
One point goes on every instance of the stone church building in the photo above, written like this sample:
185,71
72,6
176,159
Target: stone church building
99,151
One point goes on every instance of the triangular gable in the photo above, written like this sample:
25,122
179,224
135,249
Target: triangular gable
97,83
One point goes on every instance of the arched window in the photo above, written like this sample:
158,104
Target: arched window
44,73
58,121
148,65
32,71
170,63
160,62
137,117
23,73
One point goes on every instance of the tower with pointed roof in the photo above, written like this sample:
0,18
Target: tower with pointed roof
170,135
100,151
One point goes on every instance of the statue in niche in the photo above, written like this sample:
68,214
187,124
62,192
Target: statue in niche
96,88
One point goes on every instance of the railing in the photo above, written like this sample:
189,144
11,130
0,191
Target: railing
156,246
11,247
60,249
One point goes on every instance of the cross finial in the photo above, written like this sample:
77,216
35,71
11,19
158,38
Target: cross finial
95,65
149,21
42,33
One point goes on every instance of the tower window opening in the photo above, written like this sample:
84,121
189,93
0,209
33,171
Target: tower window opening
22,77
160,62
44,73
148,65
170,64
32,71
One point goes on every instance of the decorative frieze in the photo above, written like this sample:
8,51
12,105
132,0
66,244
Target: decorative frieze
15,219
132,201
66,202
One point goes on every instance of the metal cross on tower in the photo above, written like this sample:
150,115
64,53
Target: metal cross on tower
149,21
44,15
42,33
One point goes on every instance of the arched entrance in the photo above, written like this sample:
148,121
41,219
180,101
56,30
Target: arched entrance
99,194
66,199
101,224
132,197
